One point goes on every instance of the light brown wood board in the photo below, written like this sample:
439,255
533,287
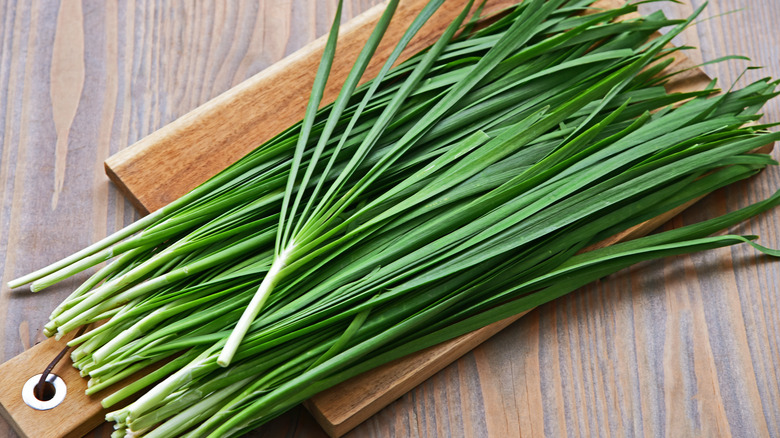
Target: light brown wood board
197,166
78,413
29,423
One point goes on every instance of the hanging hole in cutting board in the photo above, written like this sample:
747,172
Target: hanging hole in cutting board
44,391
54,391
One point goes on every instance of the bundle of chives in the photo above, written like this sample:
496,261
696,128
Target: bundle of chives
447,193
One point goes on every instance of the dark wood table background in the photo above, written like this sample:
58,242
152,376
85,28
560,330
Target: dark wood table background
688,346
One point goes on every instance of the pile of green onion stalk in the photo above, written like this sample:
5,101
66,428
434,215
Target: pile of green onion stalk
451,191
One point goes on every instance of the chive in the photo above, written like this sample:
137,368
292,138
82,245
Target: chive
451,191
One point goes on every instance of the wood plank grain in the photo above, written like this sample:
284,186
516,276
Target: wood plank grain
593,362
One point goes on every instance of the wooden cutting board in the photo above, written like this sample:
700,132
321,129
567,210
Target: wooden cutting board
173,160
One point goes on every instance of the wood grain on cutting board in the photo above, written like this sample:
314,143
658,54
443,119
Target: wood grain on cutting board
564,368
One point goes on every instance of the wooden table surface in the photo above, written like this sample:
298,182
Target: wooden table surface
688,346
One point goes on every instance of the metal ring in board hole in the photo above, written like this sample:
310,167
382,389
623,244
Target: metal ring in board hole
28,392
